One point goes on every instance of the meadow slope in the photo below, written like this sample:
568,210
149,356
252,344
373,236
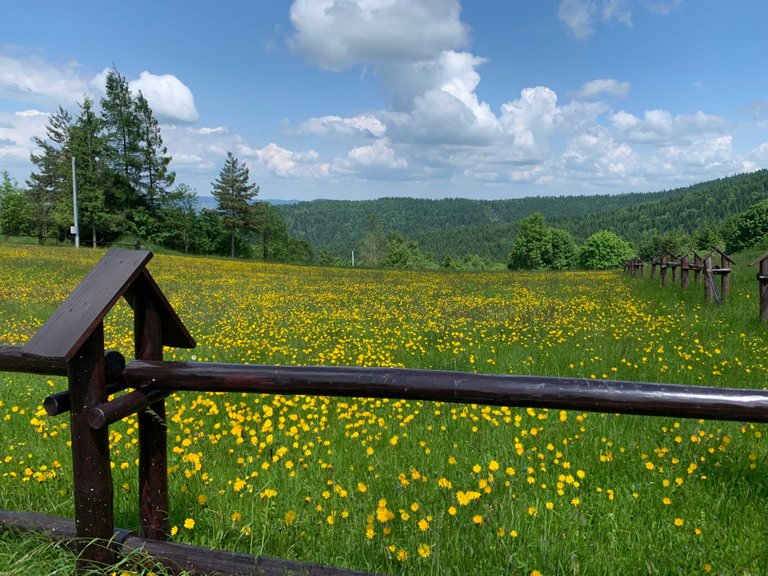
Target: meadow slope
405,487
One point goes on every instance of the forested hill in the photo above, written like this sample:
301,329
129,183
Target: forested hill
456,227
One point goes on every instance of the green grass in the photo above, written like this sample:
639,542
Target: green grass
331,462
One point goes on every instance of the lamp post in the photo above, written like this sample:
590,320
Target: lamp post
75,230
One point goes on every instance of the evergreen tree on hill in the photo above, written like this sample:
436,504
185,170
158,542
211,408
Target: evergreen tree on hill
154,177
122,130
48,184
233,195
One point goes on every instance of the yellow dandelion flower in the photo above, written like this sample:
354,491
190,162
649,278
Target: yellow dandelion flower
189,523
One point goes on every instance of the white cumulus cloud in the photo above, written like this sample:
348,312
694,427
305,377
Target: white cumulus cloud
379,155
169,97
291,164
29,78
581,16
530,119
662,126
337,34
600,87
364,125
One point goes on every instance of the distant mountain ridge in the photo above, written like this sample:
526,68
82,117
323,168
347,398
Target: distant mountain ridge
209,202
456,227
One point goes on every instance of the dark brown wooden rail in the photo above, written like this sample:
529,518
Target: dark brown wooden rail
612,396
12,360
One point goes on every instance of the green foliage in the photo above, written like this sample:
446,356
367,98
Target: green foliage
15,208
673,242
403,252
178,218
541,247
747,228
234,194
154,176
122,129
457,227
704,239
604,249
564,249
533,245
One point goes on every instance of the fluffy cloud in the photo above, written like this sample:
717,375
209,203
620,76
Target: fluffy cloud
595,89
580,16
17,131
337,34
377,156
287,163
661,126
530,120
169,98
364,125
31,79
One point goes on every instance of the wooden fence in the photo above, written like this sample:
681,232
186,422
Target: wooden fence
71,343
701,266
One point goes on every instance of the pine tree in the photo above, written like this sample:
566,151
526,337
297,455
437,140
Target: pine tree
88,147
122,134
50,183
233,195
154,177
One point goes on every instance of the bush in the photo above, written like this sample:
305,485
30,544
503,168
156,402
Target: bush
604,249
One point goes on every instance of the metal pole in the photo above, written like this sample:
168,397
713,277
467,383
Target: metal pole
353,258
76,227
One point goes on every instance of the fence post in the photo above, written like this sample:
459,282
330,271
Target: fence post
762,278
684,266
725,278
709,281
663,268
673,263
698,267
90,456
153,431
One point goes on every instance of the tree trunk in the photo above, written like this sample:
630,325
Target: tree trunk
264,249
93,234
234,231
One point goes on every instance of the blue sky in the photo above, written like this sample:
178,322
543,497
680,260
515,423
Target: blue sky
354,99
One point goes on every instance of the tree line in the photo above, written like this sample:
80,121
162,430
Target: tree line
455,229
126,190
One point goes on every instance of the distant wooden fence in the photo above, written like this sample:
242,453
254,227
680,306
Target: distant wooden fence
71,343
714,291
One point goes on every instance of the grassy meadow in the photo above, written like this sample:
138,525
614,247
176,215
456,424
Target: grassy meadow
405,487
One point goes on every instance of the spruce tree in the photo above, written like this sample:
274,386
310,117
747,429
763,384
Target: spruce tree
88,147
154,177
122,135
51,181
233,195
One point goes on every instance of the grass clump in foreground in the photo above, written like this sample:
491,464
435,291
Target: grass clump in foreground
418,487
